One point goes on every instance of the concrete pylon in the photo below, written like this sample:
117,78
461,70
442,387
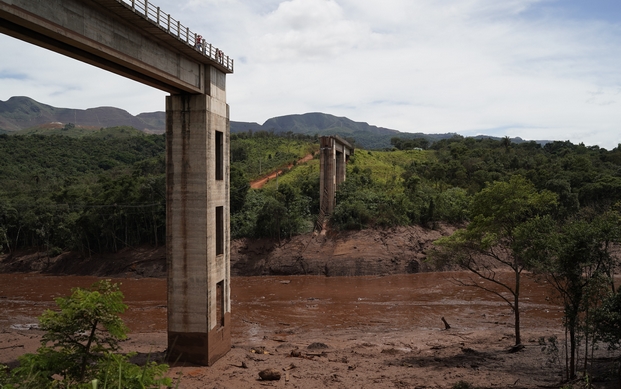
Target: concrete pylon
335,151
197,223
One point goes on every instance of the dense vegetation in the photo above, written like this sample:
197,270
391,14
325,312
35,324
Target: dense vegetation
106,191
554,212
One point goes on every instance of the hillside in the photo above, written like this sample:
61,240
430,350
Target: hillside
20,113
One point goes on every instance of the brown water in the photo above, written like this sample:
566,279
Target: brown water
263,305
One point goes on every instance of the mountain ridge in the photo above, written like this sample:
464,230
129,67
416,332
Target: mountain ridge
20,113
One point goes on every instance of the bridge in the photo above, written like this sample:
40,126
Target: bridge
335,152
138,40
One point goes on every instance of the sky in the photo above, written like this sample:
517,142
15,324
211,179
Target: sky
535,69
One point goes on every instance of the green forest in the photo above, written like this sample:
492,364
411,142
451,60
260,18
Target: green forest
105,190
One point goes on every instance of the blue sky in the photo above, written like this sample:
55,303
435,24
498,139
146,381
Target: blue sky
602,10
537,69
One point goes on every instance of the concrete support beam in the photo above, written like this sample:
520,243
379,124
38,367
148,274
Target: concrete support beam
109,35
197,225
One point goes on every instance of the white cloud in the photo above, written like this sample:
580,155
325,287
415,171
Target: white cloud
465,66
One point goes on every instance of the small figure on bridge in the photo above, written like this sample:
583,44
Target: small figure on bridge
198,39
219,55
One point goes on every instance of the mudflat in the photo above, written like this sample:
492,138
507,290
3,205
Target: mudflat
337,332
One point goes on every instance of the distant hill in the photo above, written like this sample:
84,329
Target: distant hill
26,115
365,135
19,113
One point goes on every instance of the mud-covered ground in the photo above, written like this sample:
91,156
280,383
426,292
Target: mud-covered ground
337,332
401,250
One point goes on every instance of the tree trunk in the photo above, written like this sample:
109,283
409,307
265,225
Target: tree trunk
87,349
572,351
586,336
516,308
566,357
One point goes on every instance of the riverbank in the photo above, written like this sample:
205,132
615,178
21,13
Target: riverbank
401,250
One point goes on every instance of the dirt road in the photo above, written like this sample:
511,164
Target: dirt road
260,182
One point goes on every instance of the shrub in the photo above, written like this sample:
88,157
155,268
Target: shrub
79,343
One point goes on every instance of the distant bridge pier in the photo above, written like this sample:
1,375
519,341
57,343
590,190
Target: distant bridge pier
335,152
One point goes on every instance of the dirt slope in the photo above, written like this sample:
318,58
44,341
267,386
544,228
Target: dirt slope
352,253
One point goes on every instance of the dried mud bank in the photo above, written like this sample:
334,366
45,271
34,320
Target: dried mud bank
401,250
373,358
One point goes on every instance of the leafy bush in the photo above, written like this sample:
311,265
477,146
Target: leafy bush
78,346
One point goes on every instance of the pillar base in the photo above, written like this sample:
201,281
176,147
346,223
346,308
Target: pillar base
200,348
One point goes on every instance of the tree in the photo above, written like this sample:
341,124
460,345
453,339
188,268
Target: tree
489,243
270,219
86,326
79,345
239,188
575,258
607,323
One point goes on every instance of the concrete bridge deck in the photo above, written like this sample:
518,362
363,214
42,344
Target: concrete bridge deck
132,38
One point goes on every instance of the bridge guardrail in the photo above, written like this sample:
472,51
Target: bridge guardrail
174,27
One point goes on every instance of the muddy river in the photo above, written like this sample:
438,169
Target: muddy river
263,305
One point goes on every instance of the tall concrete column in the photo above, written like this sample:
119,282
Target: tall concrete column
327,173
197,223
333,167
341,168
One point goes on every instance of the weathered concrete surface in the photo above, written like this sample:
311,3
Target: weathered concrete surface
193,194
334,154
109,35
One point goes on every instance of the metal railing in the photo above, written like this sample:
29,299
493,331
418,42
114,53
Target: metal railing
174,27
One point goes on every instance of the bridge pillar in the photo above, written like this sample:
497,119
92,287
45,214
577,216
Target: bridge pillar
197,223
335,152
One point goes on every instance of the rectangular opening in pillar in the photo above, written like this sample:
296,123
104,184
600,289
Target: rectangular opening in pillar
220,304
219,230
219,155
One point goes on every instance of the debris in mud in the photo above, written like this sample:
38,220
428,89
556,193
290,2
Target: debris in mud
258,350
446,324
243,365
270,375
25,327
516,348
317,346
391,351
